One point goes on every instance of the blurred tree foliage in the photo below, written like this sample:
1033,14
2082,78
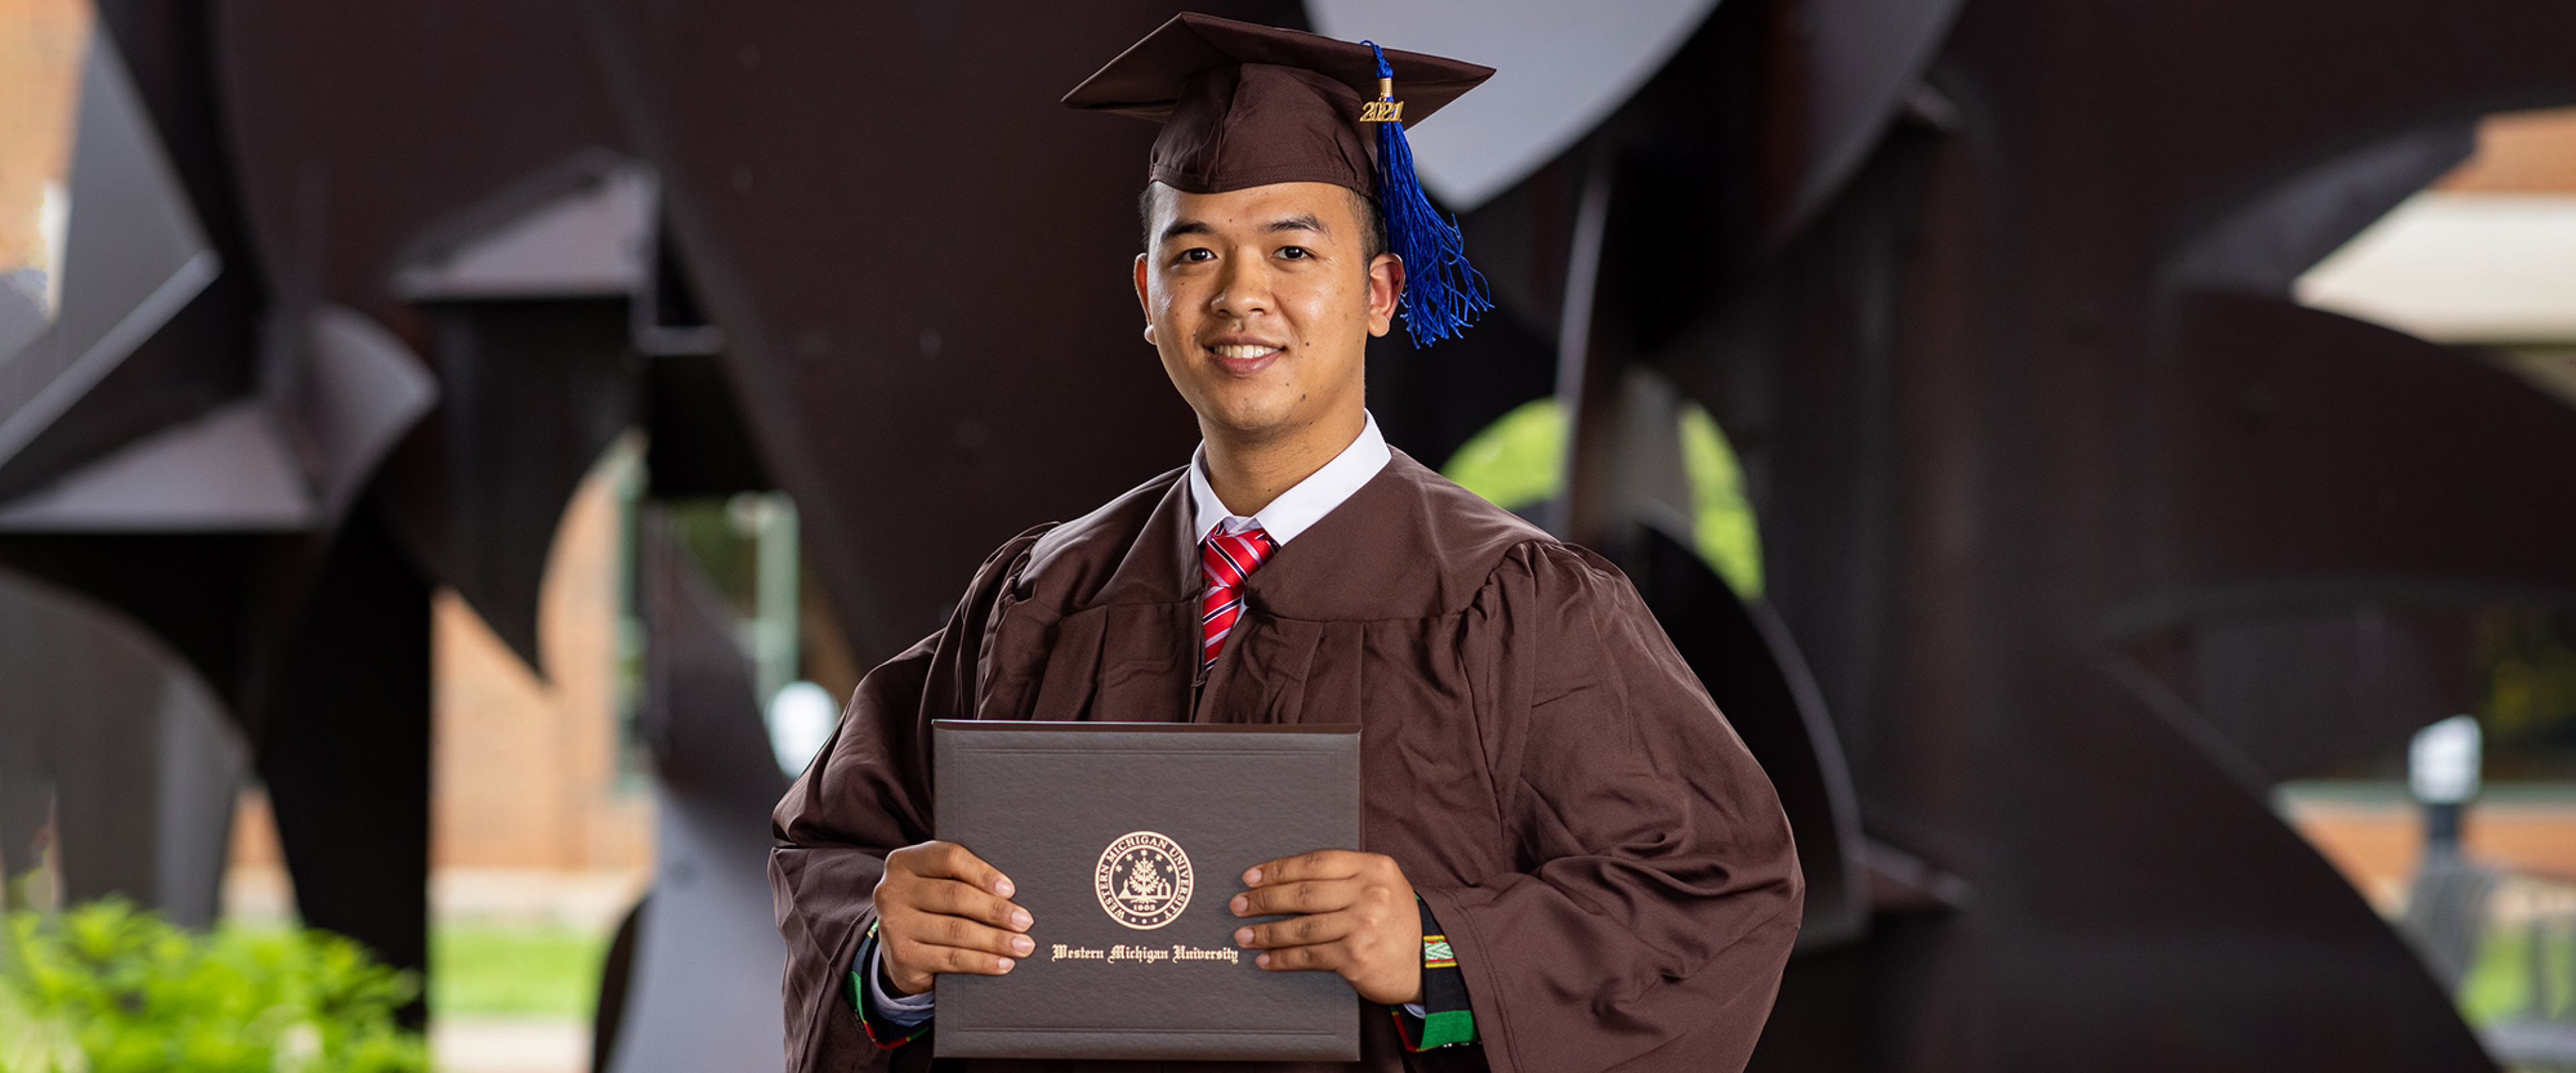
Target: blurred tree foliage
106,988
2529,713
1518,463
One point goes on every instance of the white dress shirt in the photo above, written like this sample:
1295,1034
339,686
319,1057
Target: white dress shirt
1296,509
1301,506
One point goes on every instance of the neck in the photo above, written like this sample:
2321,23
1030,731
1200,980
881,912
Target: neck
1248,471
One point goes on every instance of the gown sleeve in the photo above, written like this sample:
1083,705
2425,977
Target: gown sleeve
867,795
1655,891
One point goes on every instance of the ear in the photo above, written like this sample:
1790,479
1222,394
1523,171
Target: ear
1143,302
1385,286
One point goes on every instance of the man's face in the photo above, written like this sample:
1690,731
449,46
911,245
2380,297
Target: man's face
1262,301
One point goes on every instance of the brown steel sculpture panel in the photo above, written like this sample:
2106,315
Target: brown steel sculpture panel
920,263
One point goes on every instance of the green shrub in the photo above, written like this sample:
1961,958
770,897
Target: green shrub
105,988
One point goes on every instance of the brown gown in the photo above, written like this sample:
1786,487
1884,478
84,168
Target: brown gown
1610,863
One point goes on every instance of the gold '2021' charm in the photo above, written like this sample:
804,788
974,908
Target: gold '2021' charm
1385,109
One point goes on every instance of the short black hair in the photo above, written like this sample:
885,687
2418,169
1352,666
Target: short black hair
1372,221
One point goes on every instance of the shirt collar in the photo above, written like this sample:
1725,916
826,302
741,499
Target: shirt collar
1300,506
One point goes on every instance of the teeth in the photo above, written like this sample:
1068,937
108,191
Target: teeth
1246,351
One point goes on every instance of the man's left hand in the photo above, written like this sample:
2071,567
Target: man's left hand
1354,915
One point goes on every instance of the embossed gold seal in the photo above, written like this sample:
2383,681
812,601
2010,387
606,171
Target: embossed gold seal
1143,881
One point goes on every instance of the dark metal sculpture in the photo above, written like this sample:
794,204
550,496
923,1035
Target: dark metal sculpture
706,955
921,276
2058,527
119,748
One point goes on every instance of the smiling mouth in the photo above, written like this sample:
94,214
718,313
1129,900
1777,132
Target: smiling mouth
1244,352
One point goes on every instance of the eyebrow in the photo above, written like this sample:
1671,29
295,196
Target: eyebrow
1300,222
1303,221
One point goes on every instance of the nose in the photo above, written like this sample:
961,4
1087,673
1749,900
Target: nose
1242,290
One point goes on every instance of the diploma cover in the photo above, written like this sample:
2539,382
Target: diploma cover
1125,841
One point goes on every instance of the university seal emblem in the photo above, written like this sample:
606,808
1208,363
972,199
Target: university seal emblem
1143,881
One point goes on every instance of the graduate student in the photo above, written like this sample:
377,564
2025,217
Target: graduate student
1570,861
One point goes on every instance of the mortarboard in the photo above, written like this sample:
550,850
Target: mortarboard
1246,105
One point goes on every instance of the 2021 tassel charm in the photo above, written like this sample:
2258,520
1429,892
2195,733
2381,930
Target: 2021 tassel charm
1442,292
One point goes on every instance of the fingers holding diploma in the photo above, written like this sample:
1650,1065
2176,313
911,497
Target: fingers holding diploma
1349,913
942,909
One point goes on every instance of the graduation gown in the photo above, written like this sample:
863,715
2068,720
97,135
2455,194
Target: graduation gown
1611,865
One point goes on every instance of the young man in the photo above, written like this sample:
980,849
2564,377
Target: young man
1571,861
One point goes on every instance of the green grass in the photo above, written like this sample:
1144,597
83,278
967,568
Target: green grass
525,970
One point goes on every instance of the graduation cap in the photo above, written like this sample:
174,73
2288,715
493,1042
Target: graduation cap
1246,105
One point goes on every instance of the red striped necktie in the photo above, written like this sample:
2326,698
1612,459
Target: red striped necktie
1225,561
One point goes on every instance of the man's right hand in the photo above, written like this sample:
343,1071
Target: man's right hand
942,909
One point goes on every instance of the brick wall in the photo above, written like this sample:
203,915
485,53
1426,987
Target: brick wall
530,814
525,770
41,44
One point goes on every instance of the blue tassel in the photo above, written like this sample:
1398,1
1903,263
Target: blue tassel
1442,292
